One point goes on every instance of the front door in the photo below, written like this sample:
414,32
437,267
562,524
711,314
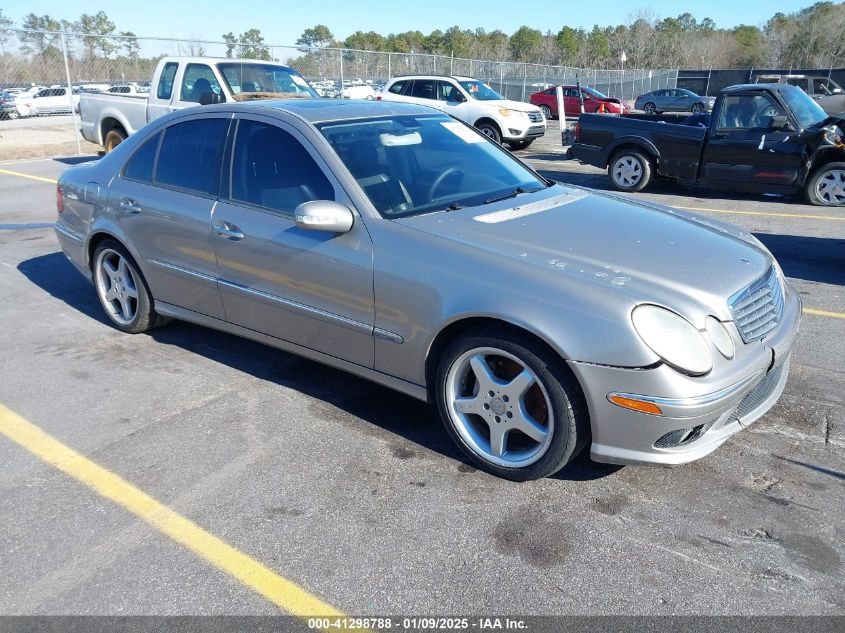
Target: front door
311,288
746,150
163,198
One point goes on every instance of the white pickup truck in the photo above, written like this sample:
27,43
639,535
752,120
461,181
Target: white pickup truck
182,82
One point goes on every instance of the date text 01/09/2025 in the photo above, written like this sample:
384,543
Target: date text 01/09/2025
416,623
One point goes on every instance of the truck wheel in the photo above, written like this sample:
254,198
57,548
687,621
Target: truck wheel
697,108
649,108
113,139
490,131
547,112
629,170
826,186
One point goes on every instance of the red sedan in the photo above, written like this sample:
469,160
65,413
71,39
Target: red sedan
594,101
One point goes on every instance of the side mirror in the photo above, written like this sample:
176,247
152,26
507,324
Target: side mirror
207,98
836,91
324,215
460,98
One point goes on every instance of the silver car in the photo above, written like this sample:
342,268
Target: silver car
673,100
401,245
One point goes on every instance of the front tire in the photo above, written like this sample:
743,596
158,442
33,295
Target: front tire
517,145
490,131
826,187
113,139
629,170
649,108
511,405
122,289
547,112
697,108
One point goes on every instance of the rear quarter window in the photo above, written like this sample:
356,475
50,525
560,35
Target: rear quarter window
140,165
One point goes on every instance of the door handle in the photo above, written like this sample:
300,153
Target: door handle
130,206
228,231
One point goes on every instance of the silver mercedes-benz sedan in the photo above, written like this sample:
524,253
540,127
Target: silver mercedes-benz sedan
399,244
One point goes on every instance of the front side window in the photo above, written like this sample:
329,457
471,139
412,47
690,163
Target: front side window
449,92
481,91
197,81
165,82
271,169
822,86
748,112
189,155
248,80
140,165
408,165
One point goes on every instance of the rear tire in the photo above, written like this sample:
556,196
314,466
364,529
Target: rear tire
122,289
114,138
629,170
649,108
532,389
697,108
826,187
490,131
517,145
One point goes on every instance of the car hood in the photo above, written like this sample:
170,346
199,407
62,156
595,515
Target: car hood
519,106
642,252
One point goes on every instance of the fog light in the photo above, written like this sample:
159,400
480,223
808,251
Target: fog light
514,132
635,405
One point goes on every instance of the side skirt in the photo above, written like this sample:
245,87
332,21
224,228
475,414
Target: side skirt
415,391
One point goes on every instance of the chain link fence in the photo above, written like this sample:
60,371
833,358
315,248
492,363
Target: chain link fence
46,58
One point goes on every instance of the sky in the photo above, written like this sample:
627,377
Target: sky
282,22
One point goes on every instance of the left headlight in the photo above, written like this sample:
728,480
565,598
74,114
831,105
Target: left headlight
513,113
674,339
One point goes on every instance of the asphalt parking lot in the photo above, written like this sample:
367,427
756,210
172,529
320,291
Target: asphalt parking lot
355,494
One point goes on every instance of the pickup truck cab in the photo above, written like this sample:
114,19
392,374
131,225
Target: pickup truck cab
760,138
182,82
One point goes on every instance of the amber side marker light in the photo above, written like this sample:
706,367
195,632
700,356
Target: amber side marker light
636,405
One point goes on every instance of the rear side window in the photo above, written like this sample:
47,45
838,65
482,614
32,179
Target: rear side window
423,89
165,82
140,166
396,88
271,169
189,155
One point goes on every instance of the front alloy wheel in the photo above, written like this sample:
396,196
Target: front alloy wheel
511,405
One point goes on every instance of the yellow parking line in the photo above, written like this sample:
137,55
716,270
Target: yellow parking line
767,213
9,172
825,313
275,588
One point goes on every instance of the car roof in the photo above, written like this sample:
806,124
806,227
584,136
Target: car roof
770,86
321,110
434,76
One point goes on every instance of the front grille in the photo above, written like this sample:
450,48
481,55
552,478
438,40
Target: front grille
758,395
757,309
535,117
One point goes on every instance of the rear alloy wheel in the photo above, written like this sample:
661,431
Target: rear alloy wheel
517,145
12,114
629,170
122,291
547,112
113,139
490,131
826,186
697,108
511,405
649,108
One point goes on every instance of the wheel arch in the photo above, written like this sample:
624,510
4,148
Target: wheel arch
109,123
104,232
487,119
466,323
636,143
824,157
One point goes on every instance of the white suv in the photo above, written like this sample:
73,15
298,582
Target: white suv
473,102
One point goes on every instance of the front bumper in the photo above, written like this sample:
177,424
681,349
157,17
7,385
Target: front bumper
699,414
521,130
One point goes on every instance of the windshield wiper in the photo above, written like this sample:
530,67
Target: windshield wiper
455,206
511,194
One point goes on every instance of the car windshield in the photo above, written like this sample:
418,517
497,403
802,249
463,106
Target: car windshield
807,111
595,93
481,91
251,81
414,164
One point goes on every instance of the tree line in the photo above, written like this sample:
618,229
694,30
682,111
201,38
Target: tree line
811,38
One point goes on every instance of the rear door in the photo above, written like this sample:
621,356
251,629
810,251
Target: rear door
163,198
311,288
745,150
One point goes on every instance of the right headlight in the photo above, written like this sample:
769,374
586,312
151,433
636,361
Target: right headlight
674,339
